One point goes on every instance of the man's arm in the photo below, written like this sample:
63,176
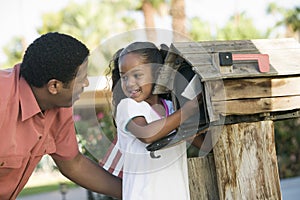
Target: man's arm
88,174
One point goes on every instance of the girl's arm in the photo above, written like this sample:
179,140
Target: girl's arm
150,132
202,141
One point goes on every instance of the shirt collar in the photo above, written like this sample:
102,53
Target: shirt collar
28,104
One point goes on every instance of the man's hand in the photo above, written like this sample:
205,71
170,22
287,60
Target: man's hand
88,174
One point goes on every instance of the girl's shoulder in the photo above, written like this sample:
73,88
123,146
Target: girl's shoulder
131,103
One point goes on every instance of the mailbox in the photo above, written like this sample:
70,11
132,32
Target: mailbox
245,86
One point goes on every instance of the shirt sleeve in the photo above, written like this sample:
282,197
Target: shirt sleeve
128,109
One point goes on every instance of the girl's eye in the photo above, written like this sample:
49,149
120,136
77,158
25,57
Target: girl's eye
138,76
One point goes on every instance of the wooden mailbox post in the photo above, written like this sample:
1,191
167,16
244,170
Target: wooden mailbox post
262,84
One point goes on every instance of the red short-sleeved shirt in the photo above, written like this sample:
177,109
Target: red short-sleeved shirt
26,134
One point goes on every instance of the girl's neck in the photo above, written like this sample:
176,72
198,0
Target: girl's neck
159,106
153,100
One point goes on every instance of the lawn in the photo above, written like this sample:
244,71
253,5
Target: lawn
44,188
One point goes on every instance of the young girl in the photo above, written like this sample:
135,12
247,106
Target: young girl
142,118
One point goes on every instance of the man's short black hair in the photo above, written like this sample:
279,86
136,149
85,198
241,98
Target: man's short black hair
52,56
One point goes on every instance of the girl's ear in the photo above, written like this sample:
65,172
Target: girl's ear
54,86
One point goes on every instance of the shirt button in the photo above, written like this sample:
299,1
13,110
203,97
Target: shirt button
2,164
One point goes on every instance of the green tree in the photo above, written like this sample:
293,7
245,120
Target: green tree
290,18
91,22
200,30
14,51
287,146
239,27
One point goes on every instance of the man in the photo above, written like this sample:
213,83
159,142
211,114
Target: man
36,116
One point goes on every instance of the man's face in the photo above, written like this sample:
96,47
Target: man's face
71,91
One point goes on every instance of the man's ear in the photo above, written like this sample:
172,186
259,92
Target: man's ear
54,86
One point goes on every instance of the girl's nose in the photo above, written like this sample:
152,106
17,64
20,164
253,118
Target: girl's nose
130,81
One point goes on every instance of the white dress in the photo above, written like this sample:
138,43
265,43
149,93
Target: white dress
163,178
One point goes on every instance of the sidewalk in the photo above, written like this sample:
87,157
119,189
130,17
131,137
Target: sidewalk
290,188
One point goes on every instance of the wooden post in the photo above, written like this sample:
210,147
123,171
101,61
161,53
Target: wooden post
246,163
202,178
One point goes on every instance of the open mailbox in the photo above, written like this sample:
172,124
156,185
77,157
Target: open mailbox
235,77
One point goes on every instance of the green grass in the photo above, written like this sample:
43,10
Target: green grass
44,188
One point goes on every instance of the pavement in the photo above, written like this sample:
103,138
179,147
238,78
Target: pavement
289,189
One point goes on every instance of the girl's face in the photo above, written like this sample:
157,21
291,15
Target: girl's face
136,77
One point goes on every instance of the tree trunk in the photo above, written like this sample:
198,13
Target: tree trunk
177,12
149,11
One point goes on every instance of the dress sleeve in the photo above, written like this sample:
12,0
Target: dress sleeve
128,109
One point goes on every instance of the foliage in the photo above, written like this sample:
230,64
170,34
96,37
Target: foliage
200,30
90,22
14,50
239,27
287,140
290,17
95,133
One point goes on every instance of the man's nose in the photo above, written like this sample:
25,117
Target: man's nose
86,82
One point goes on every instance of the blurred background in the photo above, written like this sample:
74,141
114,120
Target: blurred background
95,22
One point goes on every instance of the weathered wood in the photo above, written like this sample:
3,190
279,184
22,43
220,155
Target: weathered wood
255,88
257,105
281,54
246,163
250,46
167,73
214,114
274,116
202,178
